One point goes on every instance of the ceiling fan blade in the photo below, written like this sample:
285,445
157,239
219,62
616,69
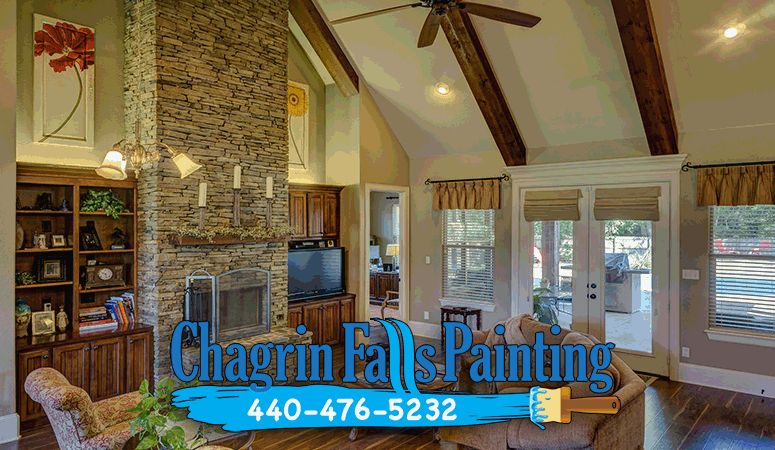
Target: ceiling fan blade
373,13
429,30
500,14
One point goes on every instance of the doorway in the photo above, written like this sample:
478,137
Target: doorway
384,282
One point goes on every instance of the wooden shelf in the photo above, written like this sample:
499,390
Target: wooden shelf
45,285
105,252
33,211
48,250
102,213
106,289
176,239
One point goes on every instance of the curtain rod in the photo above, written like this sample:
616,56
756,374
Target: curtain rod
503,177
687,166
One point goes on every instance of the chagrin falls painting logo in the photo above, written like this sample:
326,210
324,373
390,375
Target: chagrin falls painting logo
400,403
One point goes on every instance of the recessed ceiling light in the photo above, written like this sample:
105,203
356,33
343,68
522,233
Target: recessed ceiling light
730,32
442,88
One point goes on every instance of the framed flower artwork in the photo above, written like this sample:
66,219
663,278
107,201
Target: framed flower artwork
298,126
63,83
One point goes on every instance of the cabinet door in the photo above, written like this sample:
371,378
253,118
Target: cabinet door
73,361
295,317
297,203
107,368
383,285
29,361
394,281
330,323
312,320
139,362
331,215
346,314
315,214
373,286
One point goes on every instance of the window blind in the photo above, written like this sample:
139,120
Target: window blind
742,267
468,248
552,205
639,203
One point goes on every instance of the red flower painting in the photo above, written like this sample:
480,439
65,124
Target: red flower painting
76,47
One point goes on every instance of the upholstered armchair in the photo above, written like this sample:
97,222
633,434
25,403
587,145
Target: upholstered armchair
78,423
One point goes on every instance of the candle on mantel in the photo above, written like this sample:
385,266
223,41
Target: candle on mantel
237,177
202,194
269,187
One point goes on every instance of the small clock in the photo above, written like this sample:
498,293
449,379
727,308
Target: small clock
108,275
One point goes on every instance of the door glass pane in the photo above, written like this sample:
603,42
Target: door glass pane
628,285
553,272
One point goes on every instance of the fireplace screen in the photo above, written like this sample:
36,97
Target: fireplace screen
241,304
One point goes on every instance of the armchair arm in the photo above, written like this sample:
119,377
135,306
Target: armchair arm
113,411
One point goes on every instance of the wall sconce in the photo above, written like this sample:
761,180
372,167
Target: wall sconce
114,165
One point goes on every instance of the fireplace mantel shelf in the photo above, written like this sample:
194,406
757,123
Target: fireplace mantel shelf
180,240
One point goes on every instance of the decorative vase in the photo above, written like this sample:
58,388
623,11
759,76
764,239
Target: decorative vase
23,316
19,236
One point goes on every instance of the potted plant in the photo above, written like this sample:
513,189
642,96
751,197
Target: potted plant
543,308
161,425
106,201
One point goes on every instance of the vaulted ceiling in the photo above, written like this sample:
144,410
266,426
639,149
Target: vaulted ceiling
566,80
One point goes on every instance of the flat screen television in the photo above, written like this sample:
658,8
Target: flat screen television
316,272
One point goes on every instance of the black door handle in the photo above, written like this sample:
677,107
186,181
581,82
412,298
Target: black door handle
593,286
592,296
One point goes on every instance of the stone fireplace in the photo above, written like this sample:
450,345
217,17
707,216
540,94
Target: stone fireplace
209,77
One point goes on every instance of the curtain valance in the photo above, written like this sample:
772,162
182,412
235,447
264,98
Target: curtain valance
736,185
552,205
477,194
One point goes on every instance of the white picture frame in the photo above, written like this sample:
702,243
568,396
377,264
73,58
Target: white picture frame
43,322
298,136
64,100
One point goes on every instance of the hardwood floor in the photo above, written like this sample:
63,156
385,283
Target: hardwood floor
678,416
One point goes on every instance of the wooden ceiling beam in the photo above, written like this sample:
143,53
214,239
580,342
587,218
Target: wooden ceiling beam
644,61
325,45
476,67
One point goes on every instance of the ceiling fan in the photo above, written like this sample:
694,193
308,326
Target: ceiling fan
439,8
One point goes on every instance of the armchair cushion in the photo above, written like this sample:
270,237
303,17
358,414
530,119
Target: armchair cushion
114,410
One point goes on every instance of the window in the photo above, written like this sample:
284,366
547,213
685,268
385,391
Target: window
468,247
742,267
396,223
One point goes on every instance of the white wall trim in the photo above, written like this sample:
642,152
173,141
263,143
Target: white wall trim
9,428
429,330
731,380
740,337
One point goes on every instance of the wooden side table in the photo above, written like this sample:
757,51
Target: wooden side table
450,313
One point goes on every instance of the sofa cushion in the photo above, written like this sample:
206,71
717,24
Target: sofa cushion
582,388
578,434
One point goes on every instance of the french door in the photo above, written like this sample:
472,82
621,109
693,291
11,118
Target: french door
608,278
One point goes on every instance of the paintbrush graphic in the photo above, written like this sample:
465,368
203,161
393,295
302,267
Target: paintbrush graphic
555,405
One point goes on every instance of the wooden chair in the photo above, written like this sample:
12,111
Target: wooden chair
391,301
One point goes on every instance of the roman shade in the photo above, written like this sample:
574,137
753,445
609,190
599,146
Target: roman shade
636,203
736,185
477,194
552,205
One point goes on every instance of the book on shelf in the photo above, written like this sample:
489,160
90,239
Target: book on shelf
107,325
122,308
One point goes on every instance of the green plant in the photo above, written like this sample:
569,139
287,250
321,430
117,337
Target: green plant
543,307
106,201
24,278
154,425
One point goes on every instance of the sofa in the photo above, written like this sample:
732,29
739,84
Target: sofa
78,423
621,431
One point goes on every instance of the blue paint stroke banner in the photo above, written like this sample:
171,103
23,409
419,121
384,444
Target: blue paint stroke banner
242,409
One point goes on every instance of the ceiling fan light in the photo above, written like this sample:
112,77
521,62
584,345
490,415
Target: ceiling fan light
185,165
113,166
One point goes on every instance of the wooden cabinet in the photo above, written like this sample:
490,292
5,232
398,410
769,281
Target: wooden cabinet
104,364
107,368
380,283
27,362
297,202
314,211
323,317
139,360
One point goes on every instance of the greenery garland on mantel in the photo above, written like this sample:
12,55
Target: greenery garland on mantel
257,232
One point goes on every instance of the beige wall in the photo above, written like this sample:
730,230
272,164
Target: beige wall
301,70
382,221
383,159
7,210
425,233
107,19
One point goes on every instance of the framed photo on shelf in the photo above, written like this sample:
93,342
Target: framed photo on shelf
51,269
90,240
330,243
58,240
43,323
